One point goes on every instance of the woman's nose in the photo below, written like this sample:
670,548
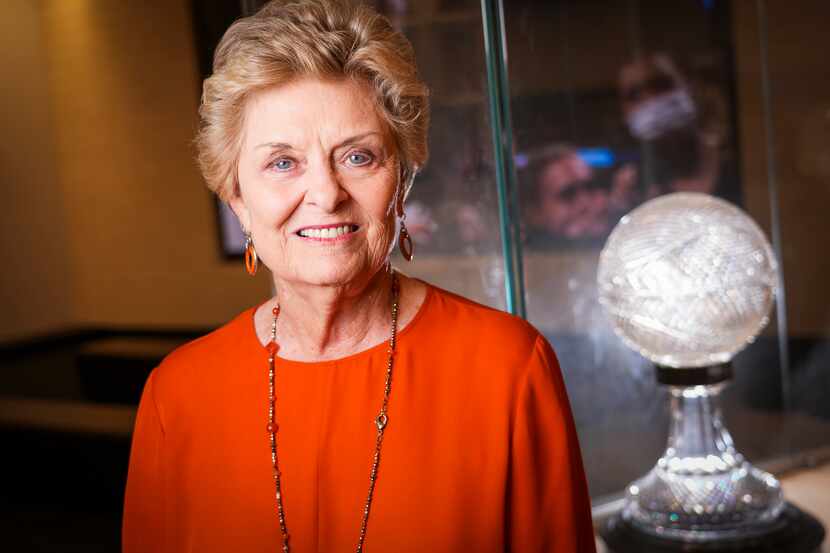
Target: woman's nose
325,189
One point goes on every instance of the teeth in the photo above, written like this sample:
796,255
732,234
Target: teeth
331,232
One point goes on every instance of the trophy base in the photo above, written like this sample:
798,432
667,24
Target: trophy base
793,532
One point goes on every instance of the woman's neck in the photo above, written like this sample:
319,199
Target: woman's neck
318,323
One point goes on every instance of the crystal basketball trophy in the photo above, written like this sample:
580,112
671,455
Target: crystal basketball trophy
688,280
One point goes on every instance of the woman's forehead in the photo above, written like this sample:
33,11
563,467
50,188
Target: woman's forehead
310,110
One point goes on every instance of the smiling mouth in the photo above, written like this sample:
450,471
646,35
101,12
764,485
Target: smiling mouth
327,232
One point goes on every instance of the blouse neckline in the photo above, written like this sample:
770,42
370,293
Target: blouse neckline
251,333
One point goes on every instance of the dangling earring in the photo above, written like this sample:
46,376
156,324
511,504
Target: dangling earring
405,241
251,260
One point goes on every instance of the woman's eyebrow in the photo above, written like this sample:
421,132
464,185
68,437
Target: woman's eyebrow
358,138
275,146
349,140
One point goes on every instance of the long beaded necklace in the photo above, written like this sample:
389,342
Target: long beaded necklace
380,421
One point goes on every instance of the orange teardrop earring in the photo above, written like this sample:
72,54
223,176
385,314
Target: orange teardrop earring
251,260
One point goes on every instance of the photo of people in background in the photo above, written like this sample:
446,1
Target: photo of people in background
598,129
677,139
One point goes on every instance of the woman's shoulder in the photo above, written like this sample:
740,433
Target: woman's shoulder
458,318
472,345
198,358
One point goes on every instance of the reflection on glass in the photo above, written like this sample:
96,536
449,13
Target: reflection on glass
616,103
671,136
793,148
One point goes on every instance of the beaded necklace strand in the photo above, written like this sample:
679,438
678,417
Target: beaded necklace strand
380,421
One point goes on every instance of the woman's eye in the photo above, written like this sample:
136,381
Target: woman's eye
282,164
359,159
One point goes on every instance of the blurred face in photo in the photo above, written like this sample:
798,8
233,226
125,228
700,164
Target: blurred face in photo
572,203
662,115
655,99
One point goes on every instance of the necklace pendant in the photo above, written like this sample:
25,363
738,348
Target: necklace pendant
381,421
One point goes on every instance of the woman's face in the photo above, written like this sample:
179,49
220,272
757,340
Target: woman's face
318,178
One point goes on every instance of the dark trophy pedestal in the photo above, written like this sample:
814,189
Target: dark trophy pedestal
794,532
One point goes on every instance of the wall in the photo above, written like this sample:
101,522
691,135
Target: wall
35,275
800,123
141,231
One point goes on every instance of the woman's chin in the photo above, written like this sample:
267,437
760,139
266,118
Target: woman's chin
333,274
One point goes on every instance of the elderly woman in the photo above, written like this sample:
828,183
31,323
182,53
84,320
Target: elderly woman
358,408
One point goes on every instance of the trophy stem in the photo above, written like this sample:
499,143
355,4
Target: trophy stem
702,488
699,443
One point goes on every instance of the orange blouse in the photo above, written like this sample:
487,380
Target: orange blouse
479,455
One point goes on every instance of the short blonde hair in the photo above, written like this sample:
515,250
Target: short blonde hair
286,40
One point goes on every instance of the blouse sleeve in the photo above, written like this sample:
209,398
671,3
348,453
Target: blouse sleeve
143,524
550,510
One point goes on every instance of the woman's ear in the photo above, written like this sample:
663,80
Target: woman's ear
237,205
399,202
407,176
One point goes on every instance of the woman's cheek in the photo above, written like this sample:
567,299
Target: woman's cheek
276,207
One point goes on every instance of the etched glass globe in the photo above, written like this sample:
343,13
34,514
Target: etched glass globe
688,280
